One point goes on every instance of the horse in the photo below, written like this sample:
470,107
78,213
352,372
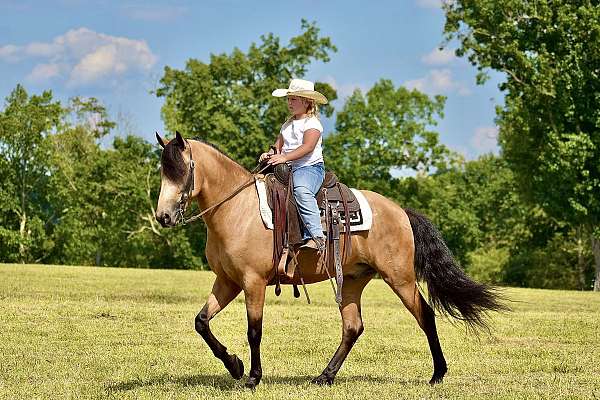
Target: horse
402,246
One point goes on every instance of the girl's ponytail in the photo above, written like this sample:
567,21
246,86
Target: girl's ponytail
313,109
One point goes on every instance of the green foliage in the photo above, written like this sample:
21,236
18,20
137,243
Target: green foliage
488,264
473,205
565,261
228,101
495,235
25,124
550,124
386,129
66,200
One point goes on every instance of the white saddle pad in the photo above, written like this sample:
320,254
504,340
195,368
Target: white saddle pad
267,215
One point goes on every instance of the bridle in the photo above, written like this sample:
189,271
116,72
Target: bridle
189,189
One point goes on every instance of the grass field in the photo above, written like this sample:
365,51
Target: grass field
80,332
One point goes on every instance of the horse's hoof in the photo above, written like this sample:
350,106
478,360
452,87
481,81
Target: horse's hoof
323,380
252,382
235,366
437,378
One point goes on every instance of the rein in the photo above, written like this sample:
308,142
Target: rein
189,188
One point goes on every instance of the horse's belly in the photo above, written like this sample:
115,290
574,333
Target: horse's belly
311,272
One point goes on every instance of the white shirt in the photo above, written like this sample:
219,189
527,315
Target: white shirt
293,136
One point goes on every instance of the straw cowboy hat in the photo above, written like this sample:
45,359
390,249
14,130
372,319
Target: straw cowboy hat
301,88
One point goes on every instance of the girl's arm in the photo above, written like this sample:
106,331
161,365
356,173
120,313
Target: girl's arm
279,143
309,141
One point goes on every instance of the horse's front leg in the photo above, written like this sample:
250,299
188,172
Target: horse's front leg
223,291
254,290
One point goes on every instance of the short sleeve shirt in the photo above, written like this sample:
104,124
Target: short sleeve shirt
293,136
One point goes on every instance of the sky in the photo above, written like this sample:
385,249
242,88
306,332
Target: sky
116,51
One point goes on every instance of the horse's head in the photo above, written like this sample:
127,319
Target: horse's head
177,184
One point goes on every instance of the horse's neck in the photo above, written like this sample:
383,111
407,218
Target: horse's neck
219,177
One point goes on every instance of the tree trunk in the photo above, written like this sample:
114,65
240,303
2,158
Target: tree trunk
22,232
596,252
581,260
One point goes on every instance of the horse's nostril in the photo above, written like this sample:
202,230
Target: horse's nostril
167,218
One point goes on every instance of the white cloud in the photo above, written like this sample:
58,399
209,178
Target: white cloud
37,49
10,53
439,57
438,81
485,139
429,3
44,72
82,57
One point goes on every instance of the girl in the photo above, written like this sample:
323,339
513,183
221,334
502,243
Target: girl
299,142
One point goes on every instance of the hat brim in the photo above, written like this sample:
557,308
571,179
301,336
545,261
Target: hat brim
309,94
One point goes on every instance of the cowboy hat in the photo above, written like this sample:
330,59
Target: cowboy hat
301,88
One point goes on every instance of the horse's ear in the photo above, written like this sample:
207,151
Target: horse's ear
180,140
160,140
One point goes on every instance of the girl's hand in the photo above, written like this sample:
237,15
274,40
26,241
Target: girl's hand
264,156
277,159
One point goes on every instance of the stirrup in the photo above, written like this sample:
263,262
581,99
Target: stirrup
317,244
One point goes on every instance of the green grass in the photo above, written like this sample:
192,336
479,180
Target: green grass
81,332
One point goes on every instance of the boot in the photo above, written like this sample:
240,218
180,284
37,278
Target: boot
317,244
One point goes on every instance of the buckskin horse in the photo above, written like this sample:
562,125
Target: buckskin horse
402,246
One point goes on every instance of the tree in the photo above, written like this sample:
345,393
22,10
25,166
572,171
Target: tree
385,129
473,204
228,101
550,124
25,124
105,199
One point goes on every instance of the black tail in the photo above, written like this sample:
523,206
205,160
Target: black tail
451,291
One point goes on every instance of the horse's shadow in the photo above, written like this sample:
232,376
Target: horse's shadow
225,383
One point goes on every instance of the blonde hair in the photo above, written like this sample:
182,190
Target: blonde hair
312,110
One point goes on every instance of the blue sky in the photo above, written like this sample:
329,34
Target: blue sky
116,51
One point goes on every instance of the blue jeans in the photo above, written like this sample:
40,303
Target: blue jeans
307,182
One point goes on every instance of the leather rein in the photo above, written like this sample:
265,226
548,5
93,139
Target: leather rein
189,188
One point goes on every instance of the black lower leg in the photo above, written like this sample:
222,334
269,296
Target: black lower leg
439,362
254,338
233,364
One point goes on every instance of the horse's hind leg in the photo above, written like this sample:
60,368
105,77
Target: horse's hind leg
352,326
223,292
418,307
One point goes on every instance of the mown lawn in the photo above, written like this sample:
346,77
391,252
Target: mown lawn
81,332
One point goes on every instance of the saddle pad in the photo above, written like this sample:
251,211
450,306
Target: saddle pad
265,211
267,215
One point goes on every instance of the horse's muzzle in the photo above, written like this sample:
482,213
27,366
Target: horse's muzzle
165,219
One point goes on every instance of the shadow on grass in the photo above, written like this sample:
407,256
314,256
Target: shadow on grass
226,383
223,382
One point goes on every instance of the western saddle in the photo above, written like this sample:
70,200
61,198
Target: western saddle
339,211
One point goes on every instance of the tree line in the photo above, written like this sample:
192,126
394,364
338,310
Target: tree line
528,217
